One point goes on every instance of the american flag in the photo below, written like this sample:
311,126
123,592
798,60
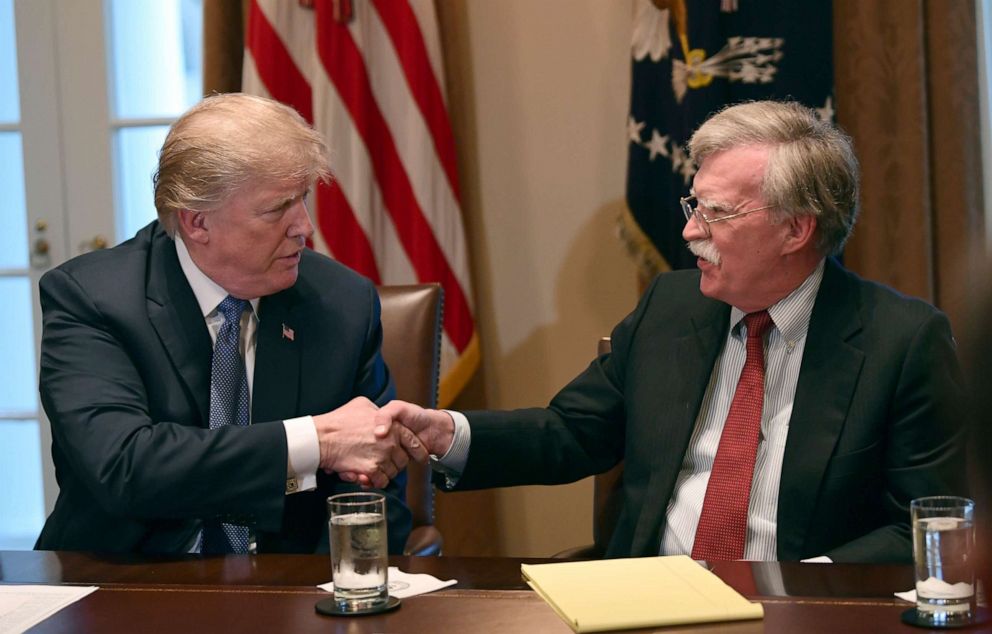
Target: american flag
369,75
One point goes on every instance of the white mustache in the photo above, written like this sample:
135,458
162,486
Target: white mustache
705,249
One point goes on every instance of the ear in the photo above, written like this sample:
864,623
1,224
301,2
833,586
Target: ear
193,226
801,232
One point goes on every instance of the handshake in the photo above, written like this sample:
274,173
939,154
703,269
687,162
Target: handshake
369,445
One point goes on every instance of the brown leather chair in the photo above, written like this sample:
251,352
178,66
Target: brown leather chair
607,502
411,346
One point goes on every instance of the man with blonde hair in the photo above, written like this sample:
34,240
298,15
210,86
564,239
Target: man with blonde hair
770,405
206,379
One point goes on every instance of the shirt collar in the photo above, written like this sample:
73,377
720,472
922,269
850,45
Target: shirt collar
791,314
209,294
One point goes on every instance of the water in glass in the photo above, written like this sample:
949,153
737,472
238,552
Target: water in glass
945,575
359,557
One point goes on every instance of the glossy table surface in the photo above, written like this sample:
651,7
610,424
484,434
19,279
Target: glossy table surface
277,593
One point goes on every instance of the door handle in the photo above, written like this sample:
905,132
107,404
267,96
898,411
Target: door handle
41,256
95,243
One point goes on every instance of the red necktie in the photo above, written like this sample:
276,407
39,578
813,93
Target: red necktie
723,521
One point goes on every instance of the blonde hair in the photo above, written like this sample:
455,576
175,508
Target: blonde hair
226,141
812,169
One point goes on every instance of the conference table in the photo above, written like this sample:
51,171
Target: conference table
277,593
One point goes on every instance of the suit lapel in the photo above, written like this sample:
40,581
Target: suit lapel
831,365
278,349
696,352
175,315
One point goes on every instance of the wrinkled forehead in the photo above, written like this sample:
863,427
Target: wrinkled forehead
261,194
732,173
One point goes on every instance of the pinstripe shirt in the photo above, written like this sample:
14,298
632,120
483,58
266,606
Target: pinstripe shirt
784,347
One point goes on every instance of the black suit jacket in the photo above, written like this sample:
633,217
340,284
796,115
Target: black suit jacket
877,419
125,382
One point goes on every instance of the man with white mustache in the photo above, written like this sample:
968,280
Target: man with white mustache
770,405
704,249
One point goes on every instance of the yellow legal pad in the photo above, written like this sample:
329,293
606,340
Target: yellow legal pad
614,594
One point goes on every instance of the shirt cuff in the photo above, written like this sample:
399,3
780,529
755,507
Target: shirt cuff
303,451
452,463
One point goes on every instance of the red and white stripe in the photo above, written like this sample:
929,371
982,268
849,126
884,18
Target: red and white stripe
368,74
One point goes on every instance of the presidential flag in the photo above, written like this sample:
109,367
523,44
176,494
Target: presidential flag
690,58
369,75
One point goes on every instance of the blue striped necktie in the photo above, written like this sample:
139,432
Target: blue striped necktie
228,406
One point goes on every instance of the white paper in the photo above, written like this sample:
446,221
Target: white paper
24,606
822,559
908,595
937,589
403,585
933,588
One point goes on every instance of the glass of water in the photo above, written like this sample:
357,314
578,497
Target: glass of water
943,553
359,556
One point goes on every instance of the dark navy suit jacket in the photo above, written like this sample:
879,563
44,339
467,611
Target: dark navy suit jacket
125,382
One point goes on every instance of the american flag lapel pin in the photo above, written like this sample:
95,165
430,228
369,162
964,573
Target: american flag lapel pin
287,333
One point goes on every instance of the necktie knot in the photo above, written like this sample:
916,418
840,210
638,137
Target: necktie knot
757,323
232,307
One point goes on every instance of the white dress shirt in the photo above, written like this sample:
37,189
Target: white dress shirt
301,435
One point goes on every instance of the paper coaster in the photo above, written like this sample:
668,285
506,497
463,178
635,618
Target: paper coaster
330,607
911,617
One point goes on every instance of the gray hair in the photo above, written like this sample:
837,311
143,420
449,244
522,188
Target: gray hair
812,169
226,141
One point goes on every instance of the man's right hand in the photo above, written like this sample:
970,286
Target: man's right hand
434,428
350,443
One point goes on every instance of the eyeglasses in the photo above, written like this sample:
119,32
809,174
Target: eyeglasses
690,207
